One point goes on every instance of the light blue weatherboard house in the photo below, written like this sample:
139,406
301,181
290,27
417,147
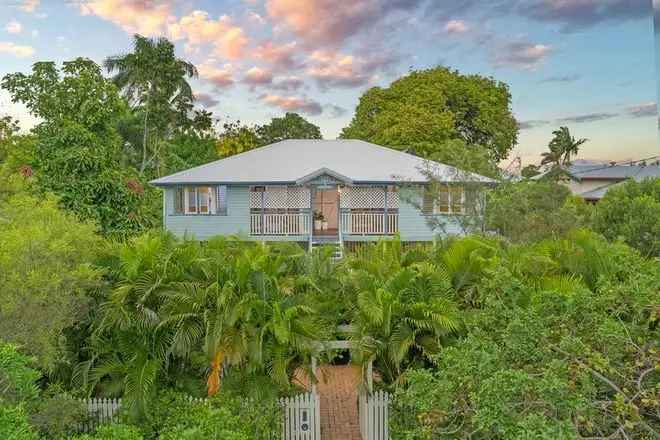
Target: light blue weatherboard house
312,191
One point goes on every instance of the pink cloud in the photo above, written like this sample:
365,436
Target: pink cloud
293,104
30,5
456,27
329,22
198,28
16,49
14,27
522,55
280,56
219,77
145,17
256,18
289,83
331,68
257,77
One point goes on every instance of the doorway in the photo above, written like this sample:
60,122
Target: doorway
326,211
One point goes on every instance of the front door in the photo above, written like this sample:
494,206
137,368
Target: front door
326,211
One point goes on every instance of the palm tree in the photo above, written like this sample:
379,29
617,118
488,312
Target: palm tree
153,79
563,145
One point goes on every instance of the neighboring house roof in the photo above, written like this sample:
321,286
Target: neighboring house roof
298,161
609,172
598,193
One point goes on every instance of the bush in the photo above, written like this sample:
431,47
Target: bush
631,211
112,432
529,211
14,423
568,354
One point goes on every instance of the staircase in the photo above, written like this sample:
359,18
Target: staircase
328,240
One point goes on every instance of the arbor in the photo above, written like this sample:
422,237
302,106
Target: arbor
424,109
45,270
631,211
291,126
154,81
77,152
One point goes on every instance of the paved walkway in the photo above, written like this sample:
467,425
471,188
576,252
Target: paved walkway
338,392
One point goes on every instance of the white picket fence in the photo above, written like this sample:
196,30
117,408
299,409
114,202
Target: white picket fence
374,412
301,417
99,411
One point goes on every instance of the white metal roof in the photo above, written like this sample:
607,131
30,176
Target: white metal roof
292,161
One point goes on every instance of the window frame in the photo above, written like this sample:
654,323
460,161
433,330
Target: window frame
191,193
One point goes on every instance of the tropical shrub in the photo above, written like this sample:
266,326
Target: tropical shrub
529,211
568,353
45,270
631,211
112,432
14,423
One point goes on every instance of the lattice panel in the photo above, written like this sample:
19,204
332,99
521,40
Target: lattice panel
356,197
281,197
255,200
298,197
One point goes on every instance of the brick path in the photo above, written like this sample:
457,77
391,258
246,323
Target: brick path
338,392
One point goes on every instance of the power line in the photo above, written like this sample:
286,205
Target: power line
631,162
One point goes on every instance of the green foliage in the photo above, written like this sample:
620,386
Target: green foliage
154,81
57,415
562,147
236,138
291,126
14,423
45,270
177,308
533,210
77,153
112,432
423,110
17,377
539,361
631,211
229,416
188,150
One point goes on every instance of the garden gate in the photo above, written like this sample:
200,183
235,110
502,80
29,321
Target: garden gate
301,417
373,411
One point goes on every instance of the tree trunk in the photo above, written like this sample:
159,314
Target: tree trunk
213,382
144,140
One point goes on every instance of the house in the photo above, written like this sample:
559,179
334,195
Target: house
592,181
314,191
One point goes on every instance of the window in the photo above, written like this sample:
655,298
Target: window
456,198
448,199
191,199
179,200
199,200
221,203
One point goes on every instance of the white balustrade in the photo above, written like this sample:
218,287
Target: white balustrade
279,224
369,223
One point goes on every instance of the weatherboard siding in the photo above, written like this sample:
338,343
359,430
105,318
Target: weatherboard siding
413,225
203,227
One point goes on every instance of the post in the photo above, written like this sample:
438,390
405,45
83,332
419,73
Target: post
386,227
263,213
313,377
370,376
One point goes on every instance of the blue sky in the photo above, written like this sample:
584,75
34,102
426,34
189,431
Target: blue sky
587,64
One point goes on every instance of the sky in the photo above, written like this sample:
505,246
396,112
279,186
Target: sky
586,64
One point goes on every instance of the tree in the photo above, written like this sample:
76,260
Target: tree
236,138
424,109
77,152
45,270
291,126
562,147
530,170
153,79
533,210
631,211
